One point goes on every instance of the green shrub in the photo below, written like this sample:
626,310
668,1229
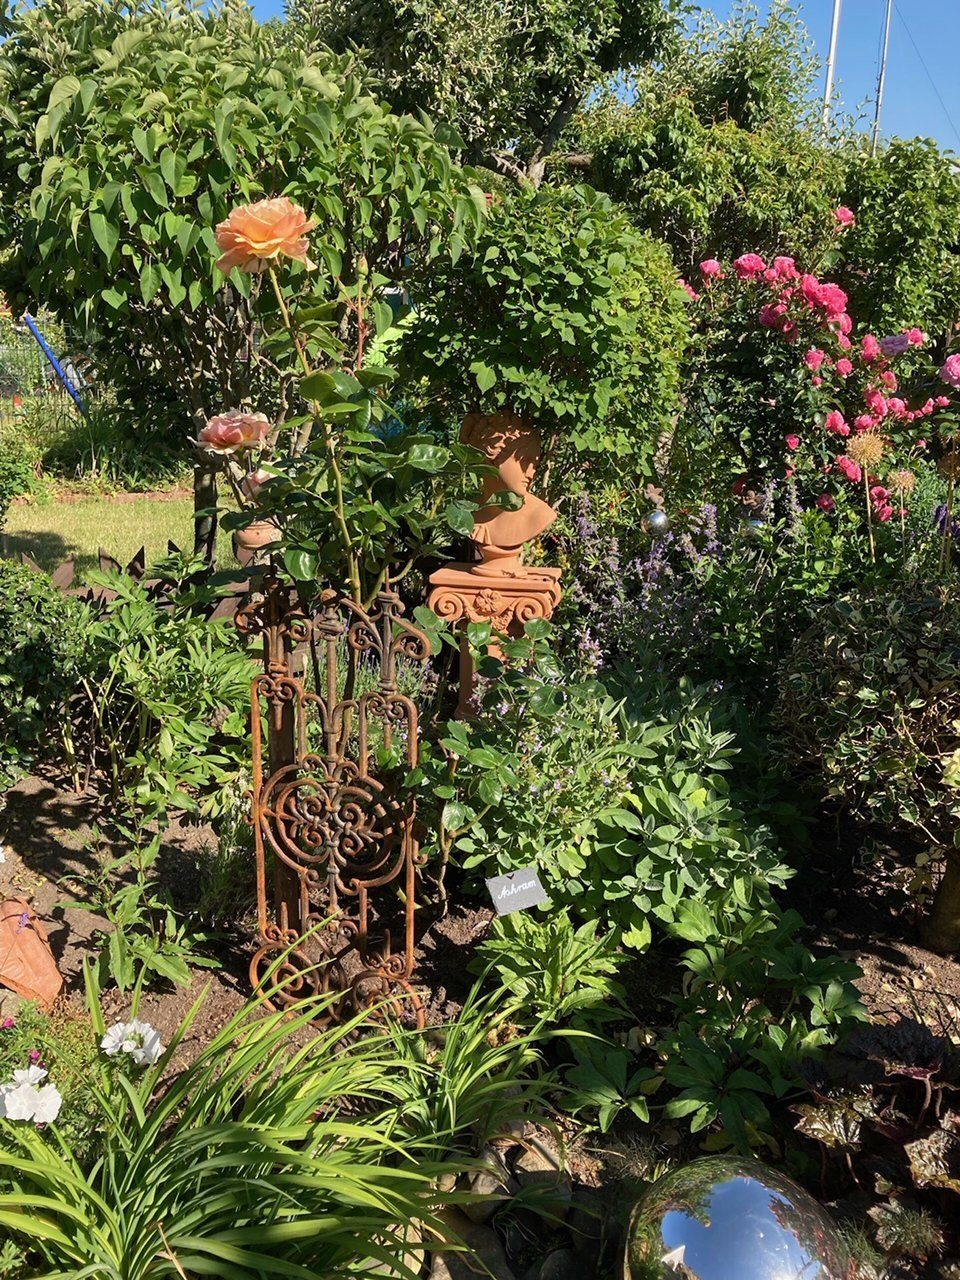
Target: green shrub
623,817
756,1004
163,705
563,314
900,263
41,659
18,468
719,152
558,972
110,447
870,714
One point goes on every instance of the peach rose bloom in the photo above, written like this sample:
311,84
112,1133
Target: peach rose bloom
256,234
252,483
233,432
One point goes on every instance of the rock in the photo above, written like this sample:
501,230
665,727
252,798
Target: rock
539,1168
412,1259
586,1226
483,1256
492,1180
562,1264
10,1004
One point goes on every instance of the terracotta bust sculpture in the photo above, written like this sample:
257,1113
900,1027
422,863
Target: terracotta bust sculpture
499,588
513,447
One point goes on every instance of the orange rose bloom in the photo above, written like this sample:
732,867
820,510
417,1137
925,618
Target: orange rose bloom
256,234
233,432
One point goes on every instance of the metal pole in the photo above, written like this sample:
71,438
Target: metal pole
881,78
831,62
62,375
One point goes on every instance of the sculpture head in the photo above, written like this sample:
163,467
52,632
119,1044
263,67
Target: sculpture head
511,445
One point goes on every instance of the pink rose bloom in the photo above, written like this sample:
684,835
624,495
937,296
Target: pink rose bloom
749,265
786,268
788,473
770,275
826,503
252,483
878,493
688,290
850,469
895,344
844,367
950,370
916,337
833,300
875,402
845,217
897,407
889,379
921,444
810,288
789,330
817,380
814,358
942,401
870,348
711,267
772,314
844,341
844,324
864,422
884,513
233,432
928,407
792,442
836,423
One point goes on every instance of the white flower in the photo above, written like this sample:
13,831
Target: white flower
24,1098
46,1105
139,1039
30,1075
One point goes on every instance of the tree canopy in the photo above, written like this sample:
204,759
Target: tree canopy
509,75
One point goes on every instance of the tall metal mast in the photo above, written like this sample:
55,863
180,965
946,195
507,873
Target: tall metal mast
881,78
831,63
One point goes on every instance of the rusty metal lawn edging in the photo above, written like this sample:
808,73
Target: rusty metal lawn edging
337,858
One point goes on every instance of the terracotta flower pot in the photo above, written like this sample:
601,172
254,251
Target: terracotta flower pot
248,543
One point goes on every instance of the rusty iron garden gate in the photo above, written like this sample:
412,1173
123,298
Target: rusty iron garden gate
337,857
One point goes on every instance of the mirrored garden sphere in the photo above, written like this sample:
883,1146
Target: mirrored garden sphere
728,1219
752,529
656,523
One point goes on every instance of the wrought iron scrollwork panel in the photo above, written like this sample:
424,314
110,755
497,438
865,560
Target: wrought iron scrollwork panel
337,857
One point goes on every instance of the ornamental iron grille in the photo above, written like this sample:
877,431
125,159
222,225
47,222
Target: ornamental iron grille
337,858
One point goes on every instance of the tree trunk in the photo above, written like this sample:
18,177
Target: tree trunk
204,511
941,932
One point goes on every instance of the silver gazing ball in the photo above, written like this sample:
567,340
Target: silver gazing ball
753,528
723,1218
656,523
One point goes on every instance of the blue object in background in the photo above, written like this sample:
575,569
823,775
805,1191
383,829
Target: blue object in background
55,365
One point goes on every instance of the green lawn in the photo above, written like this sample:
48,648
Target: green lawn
53,531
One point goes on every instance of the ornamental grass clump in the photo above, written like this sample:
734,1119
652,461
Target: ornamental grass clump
277,1153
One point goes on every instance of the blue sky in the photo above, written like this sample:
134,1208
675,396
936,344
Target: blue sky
924,35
